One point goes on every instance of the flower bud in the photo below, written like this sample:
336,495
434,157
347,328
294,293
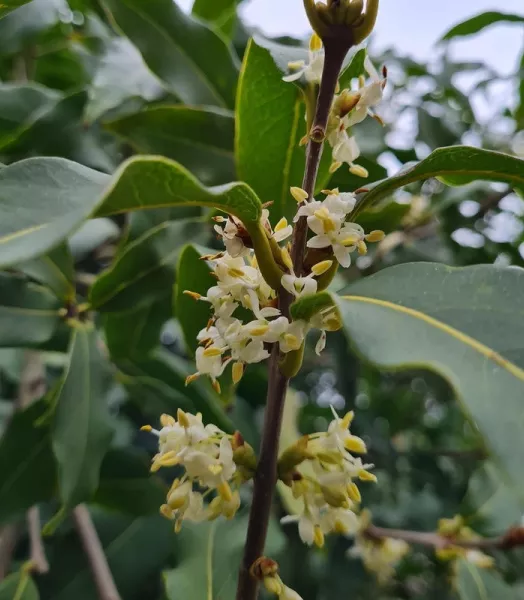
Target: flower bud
292,457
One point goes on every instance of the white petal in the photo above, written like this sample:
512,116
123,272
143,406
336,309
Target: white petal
283,234
342,255
321,344
316,225
306,530
294,76
319,241
269,312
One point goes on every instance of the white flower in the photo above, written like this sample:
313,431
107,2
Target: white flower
343,241
311,71
339,520
282,230
321,344
229,234
210,465
370,95
345,148
299,286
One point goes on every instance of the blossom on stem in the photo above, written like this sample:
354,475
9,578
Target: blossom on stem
312,70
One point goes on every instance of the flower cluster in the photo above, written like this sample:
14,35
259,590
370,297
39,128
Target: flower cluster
349,108
213,463
379,555
455,530
330,495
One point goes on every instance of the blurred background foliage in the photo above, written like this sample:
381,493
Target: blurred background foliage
92,82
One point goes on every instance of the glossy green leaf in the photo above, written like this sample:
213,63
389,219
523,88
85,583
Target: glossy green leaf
136,550
201,139
82,428
10,5
456,165
143,272
497,504
126,484
121,75
27,463
20,106
480,22
473,583
461,323
219,13
53,196
135,333
208,557
29,314
193,274
19,586
55,270
190,58
270,122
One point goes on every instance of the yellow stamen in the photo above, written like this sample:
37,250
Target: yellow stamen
166,511
348,419
237,372
354,492
262,330
191,378
146,428
321,267
194,295
210,352
351,240
299,194
375,236
364,475
216,386
335,166
235,273
177,503
215,469
182,418
318,537
355,444
362,248
340,528
361,81
315,43
273,586
286,259
359,171
225,491
294,65
282,224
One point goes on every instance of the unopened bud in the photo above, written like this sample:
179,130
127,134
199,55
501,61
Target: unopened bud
292,457
355,444
315,43
264,567
354,492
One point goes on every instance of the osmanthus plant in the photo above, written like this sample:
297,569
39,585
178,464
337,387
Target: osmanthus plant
252,257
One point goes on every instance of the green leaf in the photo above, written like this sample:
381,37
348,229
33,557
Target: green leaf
121,75
27,463
29,314
496,502
209,557
219,13
42,200
55,270
353,67
143,272
270,121
20,106
387,217
456,165
480,22
201,139
461,323
135,333
10,5
82,428
126,484
190,58
136,550
193,274
19,586
473,583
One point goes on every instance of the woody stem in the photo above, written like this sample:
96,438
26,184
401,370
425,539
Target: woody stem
266,475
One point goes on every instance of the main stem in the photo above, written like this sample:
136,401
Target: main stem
265,479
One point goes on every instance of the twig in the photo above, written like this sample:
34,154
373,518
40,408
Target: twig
266,475
104,581
511,539
8,538
38,558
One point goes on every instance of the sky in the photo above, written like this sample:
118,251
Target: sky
413,26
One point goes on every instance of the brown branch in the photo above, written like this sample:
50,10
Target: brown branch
38,558
104,582
511,539
266,475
